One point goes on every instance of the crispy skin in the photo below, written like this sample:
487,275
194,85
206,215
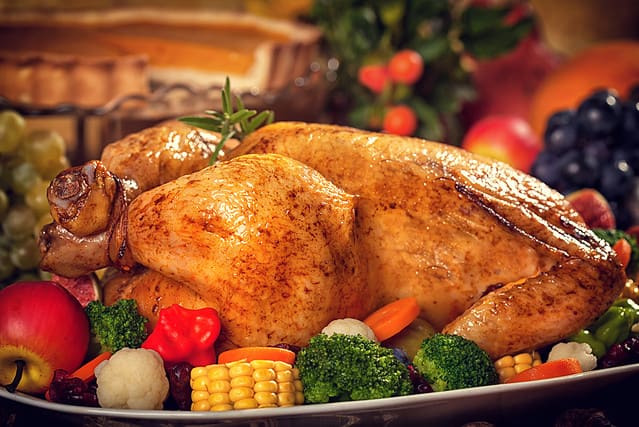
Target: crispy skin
151,290
454,230
159,154
264,239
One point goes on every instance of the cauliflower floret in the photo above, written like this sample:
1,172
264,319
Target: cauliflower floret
580,351
349,326
132,379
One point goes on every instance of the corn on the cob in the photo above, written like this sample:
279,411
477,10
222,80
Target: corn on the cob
245,385
508,366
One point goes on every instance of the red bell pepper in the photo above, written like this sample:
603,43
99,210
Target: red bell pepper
185,335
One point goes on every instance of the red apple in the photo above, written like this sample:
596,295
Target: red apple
509,139
45,327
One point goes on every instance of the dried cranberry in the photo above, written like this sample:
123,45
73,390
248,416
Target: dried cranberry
617,355
72,390
179,375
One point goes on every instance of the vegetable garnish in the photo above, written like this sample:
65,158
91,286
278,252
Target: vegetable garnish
185,335
86,372
230,123
552,369
393,317
249,354
624,251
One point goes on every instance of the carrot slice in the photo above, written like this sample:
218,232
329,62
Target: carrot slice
393,317
624,251
257,353
86,372
552,369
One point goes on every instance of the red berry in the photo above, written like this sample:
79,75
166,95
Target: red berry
374,77
400,120
406,66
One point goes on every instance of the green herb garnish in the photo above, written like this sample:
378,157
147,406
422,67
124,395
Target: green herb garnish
230,123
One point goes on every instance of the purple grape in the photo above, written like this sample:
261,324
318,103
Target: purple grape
561,132
617,180
599,114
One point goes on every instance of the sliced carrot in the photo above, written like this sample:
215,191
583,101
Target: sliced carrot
86,372
552,369
393,317
257,353
624,251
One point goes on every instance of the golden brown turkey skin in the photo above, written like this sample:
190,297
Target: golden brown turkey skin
159,154
264,239
452,229
151,290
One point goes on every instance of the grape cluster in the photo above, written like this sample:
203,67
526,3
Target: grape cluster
28,162
596,145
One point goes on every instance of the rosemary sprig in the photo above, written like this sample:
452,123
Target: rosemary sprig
229,122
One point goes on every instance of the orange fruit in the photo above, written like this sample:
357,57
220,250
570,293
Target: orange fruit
613,65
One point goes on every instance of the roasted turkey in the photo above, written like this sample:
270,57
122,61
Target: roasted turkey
304,223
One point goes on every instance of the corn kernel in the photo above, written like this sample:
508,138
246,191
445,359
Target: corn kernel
523,359
265,397
219,398
268,386
240,370
282,366
197,395
218,372
248,403
221,407
200,405
284,376
264,374
219,386
285,399
262,364
521,367
198,371
239,393
506,373
200,383
299,398
286,387
242,381
505,362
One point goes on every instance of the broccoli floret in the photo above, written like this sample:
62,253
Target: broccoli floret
450,362
343,367
116,326
612,236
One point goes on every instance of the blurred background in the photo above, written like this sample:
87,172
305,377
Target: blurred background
549,87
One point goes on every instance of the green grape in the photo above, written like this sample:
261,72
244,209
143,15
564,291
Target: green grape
4,203
43,147
12,130
23,177
54,167
25,254
6,170
6,266
19,222
36,197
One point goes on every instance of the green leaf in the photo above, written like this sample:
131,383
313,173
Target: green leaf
229,123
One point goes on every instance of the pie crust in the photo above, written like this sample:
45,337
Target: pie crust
91,58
